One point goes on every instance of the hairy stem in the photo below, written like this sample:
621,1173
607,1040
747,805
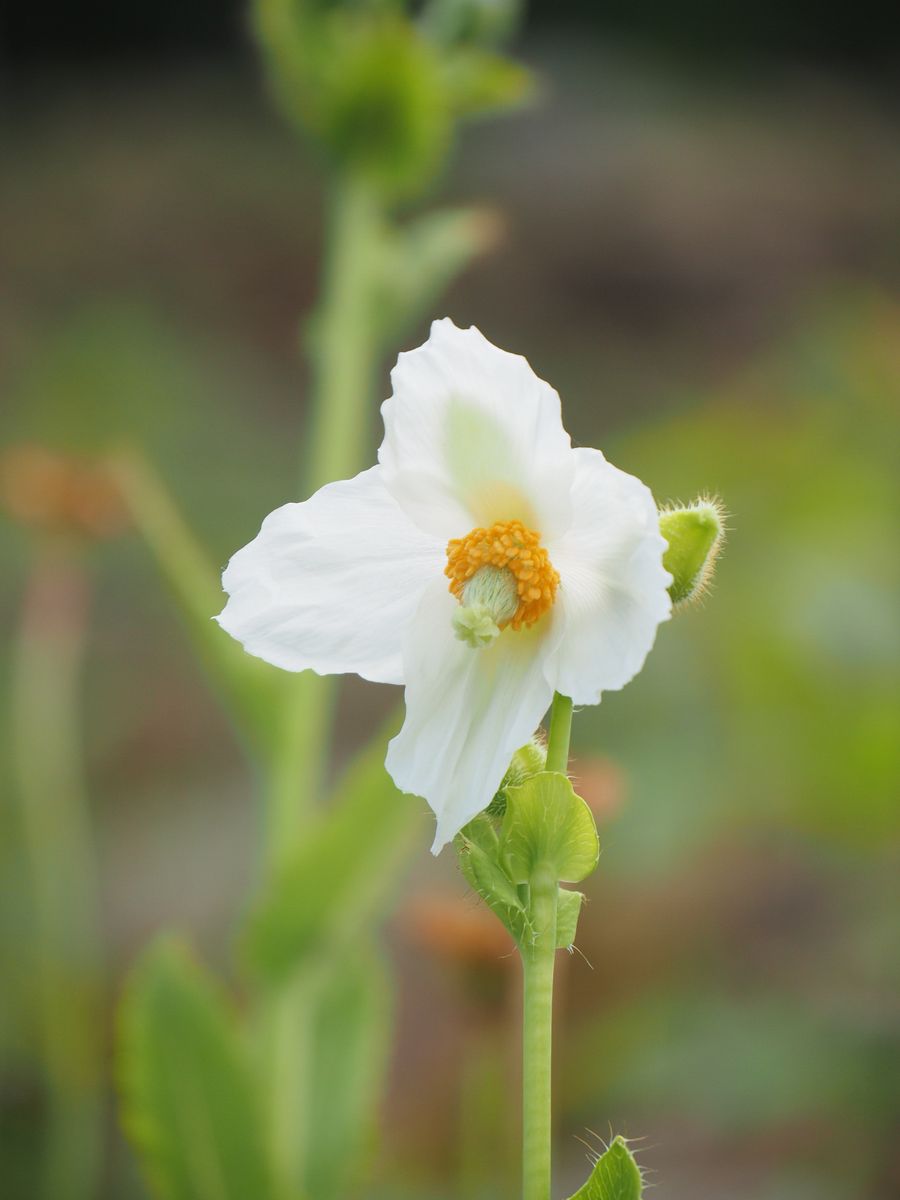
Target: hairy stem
560,732
538,962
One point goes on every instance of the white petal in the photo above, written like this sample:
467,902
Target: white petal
472,436
332,584
612,593
467,712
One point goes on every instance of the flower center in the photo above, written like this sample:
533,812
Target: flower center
501,576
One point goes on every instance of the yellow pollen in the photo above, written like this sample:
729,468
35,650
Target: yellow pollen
506,544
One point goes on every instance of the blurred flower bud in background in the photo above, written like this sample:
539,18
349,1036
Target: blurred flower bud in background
58,493
379,92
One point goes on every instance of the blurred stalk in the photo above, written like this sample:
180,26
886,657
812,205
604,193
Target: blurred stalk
345,356
345,347
344,337
61,868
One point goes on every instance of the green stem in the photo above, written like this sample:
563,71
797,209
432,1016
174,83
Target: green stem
59,861
560,732
538,961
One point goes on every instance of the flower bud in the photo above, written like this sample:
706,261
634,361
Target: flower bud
365,83
383,107
695,534
60,494
528,760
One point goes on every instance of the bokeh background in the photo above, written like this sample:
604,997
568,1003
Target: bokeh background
698,246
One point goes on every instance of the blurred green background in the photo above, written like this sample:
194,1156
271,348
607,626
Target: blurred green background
698,246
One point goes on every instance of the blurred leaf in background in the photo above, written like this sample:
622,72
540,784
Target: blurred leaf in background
190,1102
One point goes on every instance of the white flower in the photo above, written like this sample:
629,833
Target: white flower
554,560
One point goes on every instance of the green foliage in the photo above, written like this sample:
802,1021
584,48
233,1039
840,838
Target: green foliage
478,848
189,1103
351,1035
615,1176
339,876
546,824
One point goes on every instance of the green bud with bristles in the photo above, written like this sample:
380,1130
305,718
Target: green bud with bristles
528,760
695,534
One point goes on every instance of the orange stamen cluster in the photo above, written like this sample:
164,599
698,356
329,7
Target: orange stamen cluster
506,544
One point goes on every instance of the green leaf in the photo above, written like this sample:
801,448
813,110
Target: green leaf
546,824
480,82
251,690
616,1176
351,1037
479,850
568,910
188,1099
419,261
333,884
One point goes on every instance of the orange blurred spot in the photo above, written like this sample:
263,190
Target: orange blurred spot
59,493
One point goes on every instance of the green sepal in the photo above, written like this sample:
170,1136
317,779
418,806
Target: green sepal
188,1098
616,1176
478,849
694,534
568,910
548,825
